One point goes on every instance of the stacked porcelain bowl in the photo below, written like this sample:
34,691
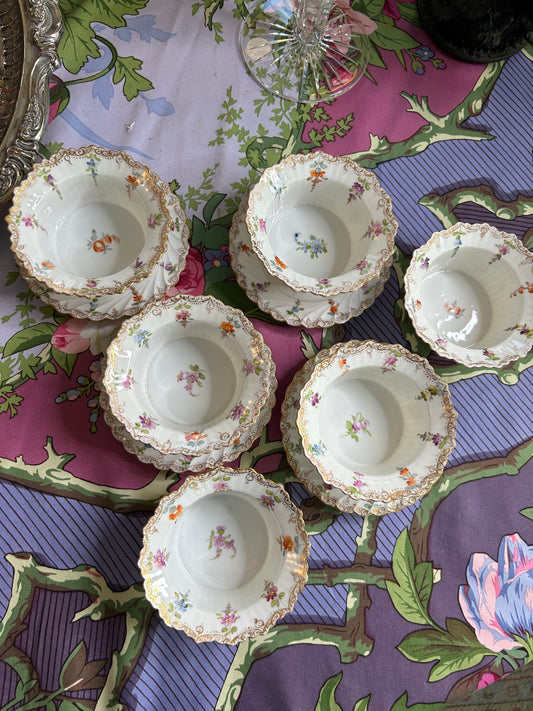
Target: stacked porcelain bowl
312,243
188,383
368,427
97,234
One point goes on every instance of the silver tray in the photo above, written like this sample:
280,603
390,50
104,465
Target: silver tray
29,35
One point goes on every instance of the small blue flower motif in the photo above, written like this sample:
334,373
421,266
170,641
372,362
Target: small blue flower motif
296,307
425,53
318,449
216,257
182,601
141,336
420,70
425,263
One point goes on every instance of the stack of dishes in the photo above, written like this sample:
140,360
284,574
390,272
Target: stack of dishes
368,427
312,243
188,384
225,556
97,234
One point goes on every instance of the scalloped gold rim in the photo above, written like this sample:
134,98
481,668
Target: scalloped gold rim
409,278
348,163
240,430
158,188
425,482
338,317
260,627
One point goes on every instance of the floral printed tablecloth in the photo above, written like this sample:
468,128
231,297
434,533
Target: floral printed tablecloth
413,610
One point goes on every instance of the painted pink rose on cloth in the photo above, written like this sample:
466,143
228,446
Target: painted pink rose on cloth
78,335
191,279
498,599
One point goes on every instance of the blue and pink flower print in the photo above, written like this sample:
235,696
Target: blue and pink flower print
498,598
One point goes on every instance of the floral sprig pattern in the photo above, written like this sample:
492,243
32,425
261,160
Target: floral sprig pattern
229,326
526,288
429,393
181,603
313,246
288,544
135,180
228,617
145,424
103,243
92,167
435,438
317,174
357,425
221,541
46,174
221,482
192,377
28,220
176,512
358,189
376,228
522,328
140,335
276,185
269,499
125,380
504,248
158,559
239,413
391,361
313,397
358,483
271,594
254,365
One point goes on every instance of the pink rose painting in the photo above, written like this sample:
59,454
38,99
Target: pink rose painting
77,335
191,279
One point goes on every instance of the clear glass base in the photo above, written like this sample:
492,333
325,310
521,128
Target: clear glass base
301,55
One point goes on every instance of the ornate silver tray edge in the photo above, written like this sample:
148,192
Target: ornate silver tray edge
19,149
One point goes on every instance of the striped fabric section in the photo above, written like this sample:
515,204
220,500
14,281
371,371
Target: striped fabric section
389,529
170,656
320,604
488,424
51,636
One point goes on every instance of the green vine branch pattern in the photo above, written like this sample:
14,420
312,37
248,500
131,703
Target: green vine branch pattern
453,477
351,638
443,206
437,128
50,476
77,674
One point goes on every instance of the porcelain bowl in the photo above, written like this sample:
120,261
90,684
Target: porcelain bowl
376,421
188,375
181,462
225,556
89,221
469,293
321,224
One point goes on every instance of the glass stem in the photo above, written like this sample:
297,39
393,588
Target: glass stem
310,19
